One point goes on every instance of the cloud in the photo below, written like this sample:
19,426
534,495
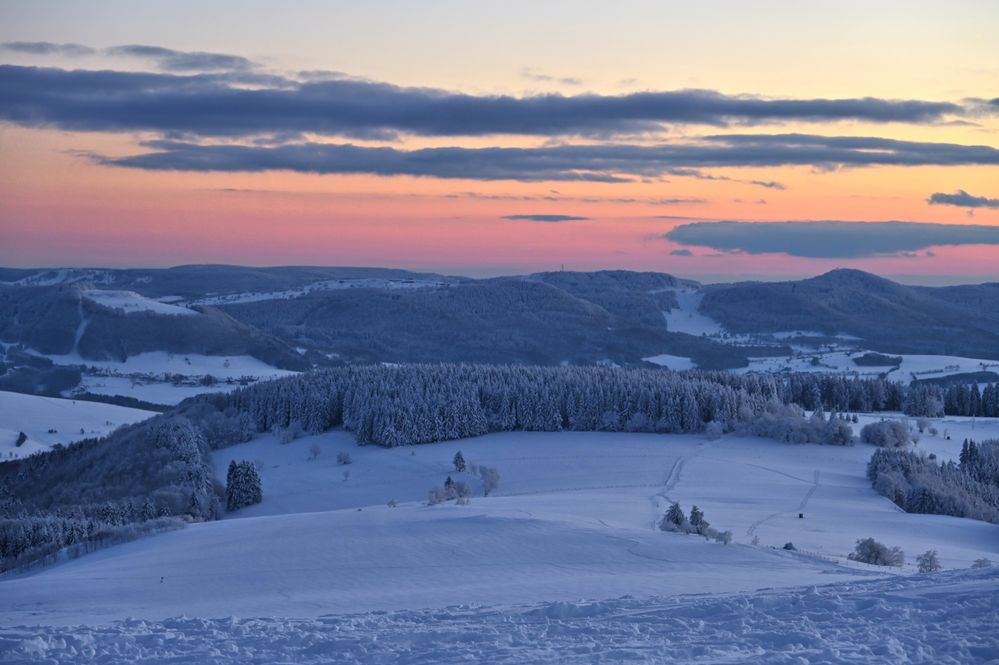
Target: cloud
592,163
219,105
678,201
164,58
532,75
182,61
769,184
546,218
963,199
825,239
48,48
681,252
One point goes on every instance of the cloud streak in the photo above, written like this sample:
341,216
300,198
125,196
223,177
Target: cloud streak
165,58
545,218
49,48
217,106
830,239
962,199
593,163
182,61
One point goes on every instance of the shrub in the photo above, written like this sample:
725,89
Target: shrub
928,562
872,552
343,458
886,434
982,563
490,478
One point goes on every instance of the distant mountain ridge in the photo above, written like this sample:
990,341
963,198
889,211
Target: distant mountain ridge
296,317
891,317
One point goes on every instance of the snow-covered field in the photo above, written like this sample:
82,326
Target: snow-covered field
130,301
573,519
190,364
687,318
36,416
912,365
671,362
150,376
944,619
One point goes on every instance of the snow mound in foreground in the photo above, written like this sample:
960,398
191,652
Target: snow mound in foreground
945,618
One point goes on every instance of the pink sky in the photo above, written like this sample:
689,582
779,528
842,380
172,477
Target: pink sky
59,207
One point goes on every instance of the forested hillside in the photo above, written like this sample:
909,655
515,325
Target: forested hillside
890,317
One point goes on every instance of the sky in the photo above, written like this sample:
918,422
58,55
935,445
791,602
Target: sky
711,140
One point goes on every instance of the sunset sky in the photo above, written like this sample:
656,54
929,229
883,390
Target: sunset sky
497,138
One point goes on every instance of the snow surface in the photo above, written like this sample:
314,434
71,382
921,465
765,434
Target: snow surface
912,365
325,285
152,391
687,318
671,362
573,518
190,364
36,415
941,619
130,301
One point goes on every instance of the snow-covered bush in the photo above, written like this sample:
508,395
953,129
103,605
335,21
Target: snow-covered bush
459,462
675,520
928,562
886,434
871,551
982,563
490,478
788,422
714,429
343,458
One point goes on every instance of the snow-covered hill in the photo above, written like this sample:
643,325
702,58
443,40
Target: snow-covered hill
48,420
573,518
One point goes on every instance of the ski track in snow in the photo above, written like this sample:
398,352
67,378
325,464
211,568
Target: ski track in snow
801,506
944,619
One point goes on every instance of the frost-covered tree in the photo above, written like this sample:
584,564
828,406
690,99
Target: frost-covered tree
459,462
490,478
343,458
243,486
928,562
872,552
982,563
674,519
697,521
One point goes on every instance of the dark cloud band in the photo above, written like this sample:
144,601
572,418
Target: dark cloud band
545,218
827,240
597,163
215,105
962,199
